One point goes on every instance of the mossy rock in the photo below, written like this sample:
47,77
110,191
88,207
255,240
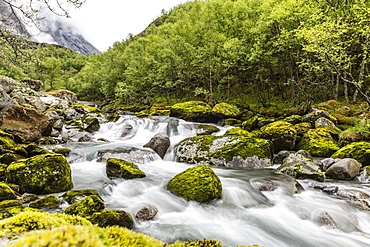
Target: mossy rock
27,198
107,218
86,207
6,193
88,124
119,236
10,203
257,122
74,196
359,151
8,158
87,109
196,111
34,150
239,132
46,202
41,174
198,184
64,151
15,210
117,168
64,94
225,110
7,142
300,167
206,129
282,134
233,122
227,150
294,119
319,143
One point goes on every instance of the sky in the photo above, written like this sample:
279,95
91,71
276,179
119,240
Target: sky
103,23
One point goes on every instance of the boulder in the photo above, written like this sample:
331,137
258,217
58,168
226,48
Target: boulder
195,111
33,84
198,184
324,123
206,129
278,159
293,119
49,201
300,167
313,116
257,122
84,124
264,185
243,151
23,121
74,196
344,169
7,84
319,143
86,207
146,213
359,151
6,193
41,174
324,219
159,143
37,103
65,95
131,154
108,218
117,168
282,134
225,110
5,99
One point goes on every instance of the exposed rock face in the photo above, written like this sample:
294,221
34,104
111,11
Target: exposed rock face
117,168
33,84
345,169
7,84
159,143
313,116
198,184
230,150
41,174
23,121
301,167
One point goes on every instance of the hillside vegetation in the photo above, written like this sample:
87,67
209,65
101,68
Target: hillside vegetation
240,51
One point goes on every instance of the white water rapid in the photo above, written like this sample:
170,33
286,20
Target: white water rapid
244,215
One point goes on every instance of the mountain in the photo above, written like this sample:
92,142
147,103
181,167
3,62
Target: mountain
50,29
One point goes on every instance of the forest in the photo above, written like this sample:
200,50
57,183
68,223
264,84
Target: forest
246,52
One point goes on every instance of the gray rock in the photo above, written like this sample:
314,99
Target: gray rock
159,143
264,185
344,169
278,159
7,84
131,154
324,123
37,103
324,219
146,213
326,163
5,99
313,116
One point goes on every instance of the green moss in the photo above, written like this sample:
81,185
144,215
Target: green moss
257,122
7,141
81,236
233,122
86,207
207,129
226,110
64,151
294,119
198,184
10,203
33,150
117,168
192,111
107,218
238,132
6,193
46,202
41,174
73,219
282,134
123,237
74,196
85,124
90,109
12,211
302,128
8,158
359,151
319,143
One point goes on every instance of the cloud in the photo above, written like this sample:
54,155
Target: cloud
105,22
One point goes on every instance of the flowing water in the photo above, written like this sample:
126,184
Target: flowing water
244,215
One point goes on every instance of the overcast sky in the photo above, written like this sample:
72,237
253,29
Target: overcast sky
104,22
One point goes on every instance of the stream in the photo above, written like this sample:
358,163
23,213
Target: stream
244,215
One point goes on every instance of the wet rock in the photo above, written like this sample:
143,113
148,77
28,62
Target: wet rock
198,184
331,190
146,213
74,196
159,143
131,154
326,163
23,121
264,185
128,131
37,103
206,129
278,159
282,134
117,168
107,218
345,169
353,194
359,151
27,198
85,138
64,151
300,167
324,219
49,201
84,124
41,174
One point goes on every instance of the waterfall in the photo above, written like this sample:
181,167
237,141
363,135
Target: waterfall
244,215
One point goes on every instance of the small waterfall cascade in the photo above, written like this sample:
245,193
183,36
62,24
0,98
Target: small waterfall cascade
244,215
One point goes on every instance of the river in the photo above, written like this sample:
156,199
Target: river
244,215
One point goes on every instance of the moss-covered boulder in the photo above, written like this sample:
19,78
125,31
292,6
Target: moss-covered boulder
86,207
10,203
34,150
89,124
257,122
48,201
107,218
23,121
41,174
74,196
8,158
198,184
15,210
300,167
64,151
313,116
206,129
359,151
196,111
230,150
282,134
225,110
117,168
318,142
344,169
294,119
6,193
